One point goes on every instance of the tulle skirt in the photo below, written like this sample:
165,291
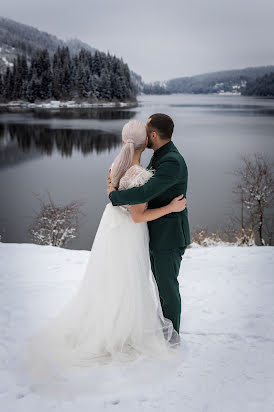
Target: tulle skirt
113,327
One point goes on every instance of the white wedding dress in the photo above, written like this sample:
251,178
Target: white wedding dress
114,323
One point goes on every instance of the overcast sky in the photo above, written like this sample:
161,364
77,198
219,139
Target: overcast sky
160,39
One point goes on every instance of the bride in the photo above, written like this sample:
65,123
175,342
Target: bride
115,317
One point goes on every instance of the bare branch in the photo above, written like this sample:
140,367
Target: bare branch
55,225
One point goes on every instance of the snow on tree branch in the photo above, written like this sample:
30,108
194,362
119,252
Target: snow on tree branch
55,225
256,191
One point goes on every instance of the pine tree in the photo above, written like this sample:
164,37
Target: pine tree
46,76
1,86
24,69
8,84
105,85
86,75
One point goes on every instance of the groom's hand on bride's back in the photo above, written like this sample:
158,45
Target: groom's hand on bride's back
178,204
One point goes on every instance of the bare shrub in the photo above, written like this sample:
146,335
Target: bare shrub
245,236
255,192
203,237
55,225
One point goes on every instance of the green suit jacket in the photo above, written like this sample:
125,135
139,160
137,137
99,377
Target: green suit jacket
169,180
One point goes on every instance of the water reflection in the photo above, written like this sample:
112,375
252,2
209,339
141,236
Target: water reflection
83,113
2,131
44,140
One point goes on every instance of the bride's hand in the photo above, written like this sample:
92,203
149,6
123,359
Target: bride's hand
108,177
110,188
178,204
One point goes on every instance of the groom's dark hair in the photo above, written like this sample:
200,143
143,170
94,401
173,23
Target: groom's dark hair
162,124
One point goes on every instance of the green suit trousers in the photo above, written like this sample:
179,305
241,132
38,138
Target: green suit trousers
165,265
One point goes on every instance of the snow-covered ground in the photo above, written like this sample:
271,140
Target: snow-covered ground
234,93
57,104
227,323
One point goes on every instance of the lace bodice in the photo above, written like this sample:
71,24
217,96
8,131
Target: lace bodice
135,176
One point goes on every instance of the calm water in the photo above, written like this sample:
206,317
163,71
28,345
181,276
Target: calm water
68,153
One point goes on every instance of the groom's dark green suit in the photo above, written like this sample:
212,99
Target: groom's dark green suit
170,234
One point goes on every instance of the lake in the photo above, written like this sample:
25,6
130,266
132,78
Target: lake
67,152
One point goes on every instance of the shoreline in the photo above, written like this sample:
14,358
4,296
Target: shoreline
70,104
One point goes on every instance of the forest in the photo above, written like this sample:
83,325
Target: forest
61,76
261,86
251,80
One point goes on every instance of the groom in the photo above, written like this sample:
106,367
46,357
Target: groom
169,235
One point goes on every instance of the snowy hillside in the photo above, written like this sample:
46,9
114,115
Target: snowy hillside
27,39
227,325
18,38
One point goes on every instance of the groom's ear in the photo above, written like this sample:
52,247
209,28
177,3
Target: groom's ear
146,141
